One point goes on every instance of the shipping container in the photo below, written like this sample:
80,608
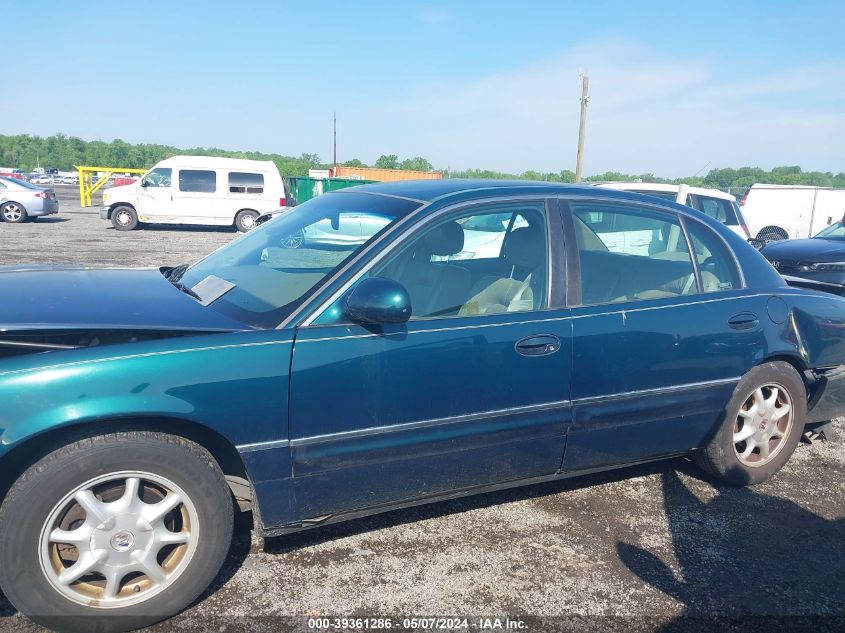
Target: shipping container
384,175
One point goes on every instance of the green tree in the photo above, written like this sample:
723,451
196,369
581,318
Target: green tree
418,163
387,161
354,163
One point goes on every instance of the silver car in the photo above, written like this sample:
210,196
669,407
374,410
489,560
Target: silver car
20,200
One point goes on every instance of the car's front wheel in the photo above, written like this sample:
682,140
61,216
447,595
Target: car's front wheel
763,424
114,532
124,218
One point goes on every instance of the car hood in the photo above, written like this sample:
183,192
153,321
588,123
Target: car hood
121,189
69,297
816,249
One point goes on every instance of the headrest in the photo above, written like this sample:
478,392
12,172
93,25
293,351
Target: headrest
446,239
525,247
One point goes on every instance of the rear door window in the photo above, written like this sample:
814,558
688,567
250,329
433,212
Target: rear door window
631,254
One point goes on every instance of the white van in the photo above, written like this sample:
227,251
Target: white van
717,204
197,190
780,212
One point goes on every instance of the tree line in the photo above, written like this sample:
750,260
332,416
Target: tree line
24,151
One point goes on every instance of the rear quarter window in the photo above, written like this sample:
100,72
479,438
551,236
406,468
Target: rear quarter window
718,209
246,182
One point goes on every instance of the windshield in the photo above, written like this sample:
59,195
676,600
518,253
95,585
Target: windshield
834,231
271,269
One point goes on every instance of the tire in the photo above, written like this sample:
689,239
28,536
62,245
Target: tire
777,429
124,218
245,220
772,234
182,562
13,212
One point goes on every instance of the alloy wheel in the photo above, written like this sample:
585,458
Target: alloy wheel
118,539
12,212
762,425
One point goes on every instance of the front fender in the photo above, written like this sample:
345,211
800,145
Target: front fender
235,384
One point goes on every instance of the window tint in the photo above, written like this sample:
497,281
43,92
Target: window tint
629,254
460,266
242,182
718,269
159,177
197,180
718,209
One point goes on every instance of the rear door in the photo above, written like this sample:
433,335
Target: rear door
472,391
659,339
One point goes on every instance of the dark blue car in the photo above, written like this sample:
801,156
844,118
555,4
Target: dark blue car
440,338
817,262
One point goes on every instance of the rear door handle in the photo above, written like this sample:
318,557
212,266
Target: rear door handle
743,321
538,345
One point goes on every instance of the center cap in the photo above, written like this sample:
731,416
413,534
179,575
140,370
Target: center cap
122,541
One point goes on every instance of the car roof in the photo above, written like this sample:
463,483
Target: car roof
659,186
217,162
435,190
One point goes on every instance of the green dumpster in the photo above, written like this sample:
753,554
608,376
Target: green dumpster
304,188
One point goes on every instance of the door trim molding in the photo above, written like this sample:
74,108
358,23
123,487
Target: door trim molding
470,417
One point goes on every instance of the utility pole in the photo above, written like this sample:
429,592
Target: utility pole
585,97
334,140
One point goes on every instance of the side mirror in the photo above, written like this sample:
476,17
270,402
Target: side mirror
143,182
379,300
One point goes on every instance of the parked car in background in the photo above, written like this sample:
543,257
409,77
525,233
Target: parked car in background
197,190
335,381
22,200
780,212
719,205
42,179
819,260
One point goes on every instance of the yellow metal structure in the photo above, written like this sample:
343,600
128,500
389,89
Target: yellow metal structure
89,186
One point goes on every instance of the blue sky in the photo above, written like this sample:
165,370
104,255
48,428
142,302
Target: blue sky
676,87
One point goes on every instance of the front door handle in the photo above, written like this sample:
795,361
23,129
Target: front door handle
538,345
743,321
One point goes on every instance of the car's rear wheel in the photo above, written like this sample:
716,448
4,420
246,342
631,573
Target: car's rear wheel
245,220
124,218
763,424
13,212
114,532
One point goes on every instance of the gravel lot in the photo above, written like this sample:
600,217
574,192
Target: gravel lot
650,547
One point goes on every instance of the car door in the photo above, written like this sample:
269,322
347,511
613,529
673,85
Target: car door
197,198
458,397
659,339
155,198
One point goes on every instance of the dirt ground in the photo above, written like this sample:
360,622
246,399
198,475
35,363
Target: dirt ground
651,547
